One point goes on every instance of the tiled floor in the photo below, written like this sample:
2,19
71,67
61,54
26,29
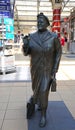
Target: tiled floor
15,90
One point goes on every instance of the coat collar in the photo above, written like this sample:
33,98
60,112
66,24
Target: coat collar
40,38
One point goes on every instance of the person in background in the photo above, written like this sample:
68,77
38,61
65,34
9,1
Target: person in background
15,38
62,41
45,51
66,44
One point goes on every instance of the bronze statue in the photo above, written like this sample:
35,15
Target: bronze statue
44,49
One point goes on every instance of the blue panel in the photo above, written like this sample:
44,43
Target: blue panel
9,28
5,8
9,35
0,43
0,20
7,1
3,4
5,14
8,21
4,1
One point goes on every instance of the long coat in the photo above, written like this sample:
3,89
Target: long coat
45,52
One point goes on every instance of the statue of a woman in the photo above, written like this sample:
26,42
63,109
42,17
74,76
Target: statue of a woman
44,49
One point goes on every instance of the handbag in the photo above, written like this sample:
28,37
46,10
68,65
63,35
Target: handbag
30,108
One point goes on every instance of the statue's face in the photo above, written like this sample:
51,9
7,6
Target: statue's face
41,24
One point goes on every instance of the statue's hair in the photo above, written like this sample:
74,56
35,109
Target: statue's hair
42,15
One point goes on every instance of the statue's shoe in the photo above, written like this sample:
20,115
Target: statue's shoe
42,121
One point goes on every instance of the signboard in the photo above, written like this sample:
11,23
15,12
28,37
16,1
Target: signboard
10,28
4,1
0,20
5,7
3,4
6,14
7,1
0,43
7,63
8,21
9,35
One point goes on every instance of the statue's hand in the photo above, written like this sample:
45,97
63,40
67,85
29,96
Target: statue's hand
26,40
25,46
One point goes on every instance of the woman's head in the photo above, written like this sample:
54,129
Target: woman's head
42,22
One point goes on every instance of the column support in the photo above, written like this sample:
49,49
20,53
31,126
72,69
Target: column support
56,24
56,21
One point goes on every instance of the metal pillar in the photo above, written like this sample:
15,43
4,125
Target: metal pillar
56,21
38,4
56,24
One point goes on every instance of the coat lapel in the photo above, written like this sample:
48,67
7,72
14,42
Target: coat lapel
46,36
40,41
35,37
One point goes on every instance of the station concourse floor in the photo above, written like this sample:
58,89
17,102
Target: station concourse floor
15,90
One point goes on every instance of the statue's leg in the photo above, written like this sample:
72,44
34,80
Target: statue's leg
30,108
43,118
44,104
39,107
38,104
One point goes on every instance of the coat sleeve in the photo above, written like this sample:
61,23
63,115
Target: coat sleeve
57,54
25,47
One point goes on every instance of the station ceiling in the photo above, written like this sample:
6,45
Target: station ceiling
25,11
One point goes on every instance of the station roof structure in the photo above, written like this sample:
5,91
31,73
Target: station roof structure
25,11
